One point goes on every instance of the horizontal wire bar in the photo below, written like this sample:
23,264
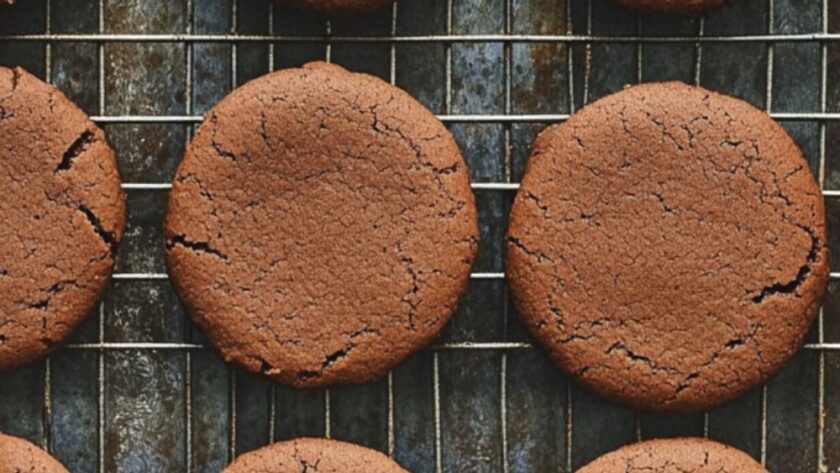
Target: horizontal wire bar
495,186
481,38
146,186
156,186
492,186
161,276
453,346
158,276
482,118
139,276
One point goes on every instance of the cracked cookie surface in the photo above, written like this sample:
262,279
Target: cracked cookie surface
62,212
314,455
20,456
668,246
321,226
677,455
671,6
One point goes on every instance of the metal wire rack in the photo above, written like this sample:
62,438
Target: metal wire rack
137,390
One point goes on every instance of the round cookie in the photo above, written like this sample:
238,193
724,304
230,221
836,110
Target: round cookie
321,226
340,6
312,454
675,455
668,246
671,6
63,213
18,455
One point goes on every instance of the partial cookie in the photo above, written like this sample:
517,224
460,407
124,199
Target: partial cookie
676,455
321,226
672,6
18,455
311,454
62,213
340,6
668,246
7,2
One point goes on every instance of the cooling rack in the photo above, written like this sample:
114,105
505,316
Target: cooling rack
138,390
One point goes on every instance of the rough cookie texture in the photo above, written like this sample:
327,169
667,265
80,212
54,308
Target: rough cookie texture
340,6
62,213
314,456
19,456
321,226
678,455
668,246
672,6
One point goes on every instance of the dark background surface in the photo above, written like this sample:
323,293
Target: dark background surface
134,392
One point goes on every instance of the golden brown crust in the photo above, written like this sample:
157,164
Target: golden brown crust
63,212
668,246
316,456
321,226
18,456
677,455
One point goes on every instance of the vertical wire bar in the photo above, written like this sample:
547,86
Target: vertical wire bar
569,401
508,65
101,353
763,425
698,49
328,47
588,64
570,57
769,100
637,415
188,48
272,405
46,413
271,33
639,49
698,72
585,97
232,419
436,385
327,416
436,355
48,43
101,388
821,466
234,20
393,81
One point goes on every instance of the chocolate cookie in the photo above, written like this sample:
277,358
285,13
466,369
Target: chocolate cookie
7,2
62,212
676,455
311,454
321,226
340,6
19,456
668,246
671,6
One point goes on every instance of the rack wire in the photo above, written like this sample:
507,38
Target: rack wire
577,37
